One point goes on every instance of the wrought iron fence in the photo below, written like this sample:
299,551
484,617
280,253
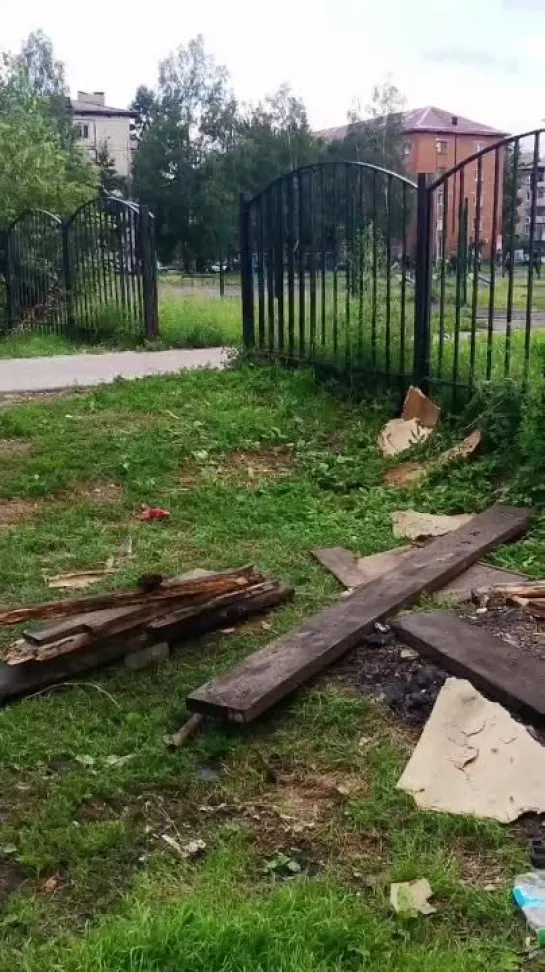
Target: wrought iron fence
327,267
482,314
92,276
437,282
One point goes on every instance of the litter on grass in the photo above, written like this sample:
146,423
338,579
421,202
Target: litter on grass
411,898
473,758
417,422
413,472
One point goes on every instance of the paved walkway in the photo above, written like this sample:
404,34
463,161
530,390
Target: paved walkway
86,370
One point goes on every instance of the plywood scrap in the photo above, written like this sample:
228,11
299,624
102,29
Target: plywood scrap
473,758
341,563
418,526
399,435
276,670
419,406
467,650
413,472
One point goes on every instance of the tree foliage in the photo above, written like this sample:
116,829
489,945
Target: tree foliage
41,166
199,150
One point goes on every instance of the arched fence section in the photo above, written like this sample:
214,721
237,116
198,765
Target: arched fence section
437,282
327,257
91,277
483,303
34,285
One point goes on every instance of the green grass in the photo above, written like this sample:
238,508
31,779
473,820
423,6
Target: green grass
69,808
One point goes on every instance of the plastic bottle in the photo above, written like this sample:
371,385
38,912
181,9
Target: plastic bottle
529,894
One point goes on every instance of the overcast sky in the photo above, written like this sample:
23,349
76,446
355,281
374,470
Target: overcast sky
478,58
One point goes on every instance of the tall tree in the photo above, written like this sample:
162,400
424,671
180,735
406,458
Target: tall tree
109,179
36,169
377,137
188,123
44,75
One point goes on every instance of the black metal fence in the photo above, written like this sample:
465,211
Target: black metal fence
436,282
327,267
91,277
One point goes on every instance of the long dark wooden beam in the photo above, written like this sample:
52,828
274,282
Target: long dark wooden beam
504,673
276,670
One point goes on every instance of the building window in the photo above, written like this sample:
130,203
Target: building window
82,130
441,146
441,169
406,148
479,146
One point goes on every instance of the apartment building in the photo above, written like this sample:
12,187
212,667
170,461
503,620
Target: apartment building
524,212
437,140
99,125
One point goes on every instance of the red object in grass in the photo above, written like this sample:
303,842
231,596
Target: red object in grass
153,513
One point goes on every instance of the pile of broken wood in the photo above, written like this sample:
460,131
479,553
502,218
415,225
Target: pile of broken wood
135,625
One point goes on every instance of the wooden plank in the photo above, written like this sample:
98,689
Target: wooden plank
341,563
355,572
169,590
276,670
20,680
504,673
91,622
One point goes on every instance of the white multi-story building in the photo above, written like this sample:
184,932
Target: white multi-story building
98,125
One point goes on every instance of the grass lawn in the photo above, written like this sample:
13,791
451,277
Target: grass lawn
304,829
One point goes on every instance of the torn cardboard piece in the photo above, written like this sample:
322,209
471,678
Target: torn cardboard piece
413,472
416,526
399,435
473,758
419,406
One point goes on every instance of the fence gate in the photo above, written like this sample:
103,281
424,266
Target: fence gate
110,279
92,277
482,289
327,255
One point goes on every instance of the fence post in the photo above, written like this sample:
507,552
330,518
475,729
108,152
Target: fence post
422,296
68,281
7,278
246,275
149,273
222,279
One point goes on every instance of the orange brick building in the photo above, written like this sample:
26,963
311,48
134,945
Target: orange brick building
437,140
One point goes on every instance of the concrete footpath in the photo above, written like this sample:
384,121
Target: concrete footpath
86,370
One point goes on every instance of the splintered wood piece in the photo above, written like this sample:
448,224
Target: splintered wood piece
493,666
189,728
211,586
223,610
32,675
276,670
530,589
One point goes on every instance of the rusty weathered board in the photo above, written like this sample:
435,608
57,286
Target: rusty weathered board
280,667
